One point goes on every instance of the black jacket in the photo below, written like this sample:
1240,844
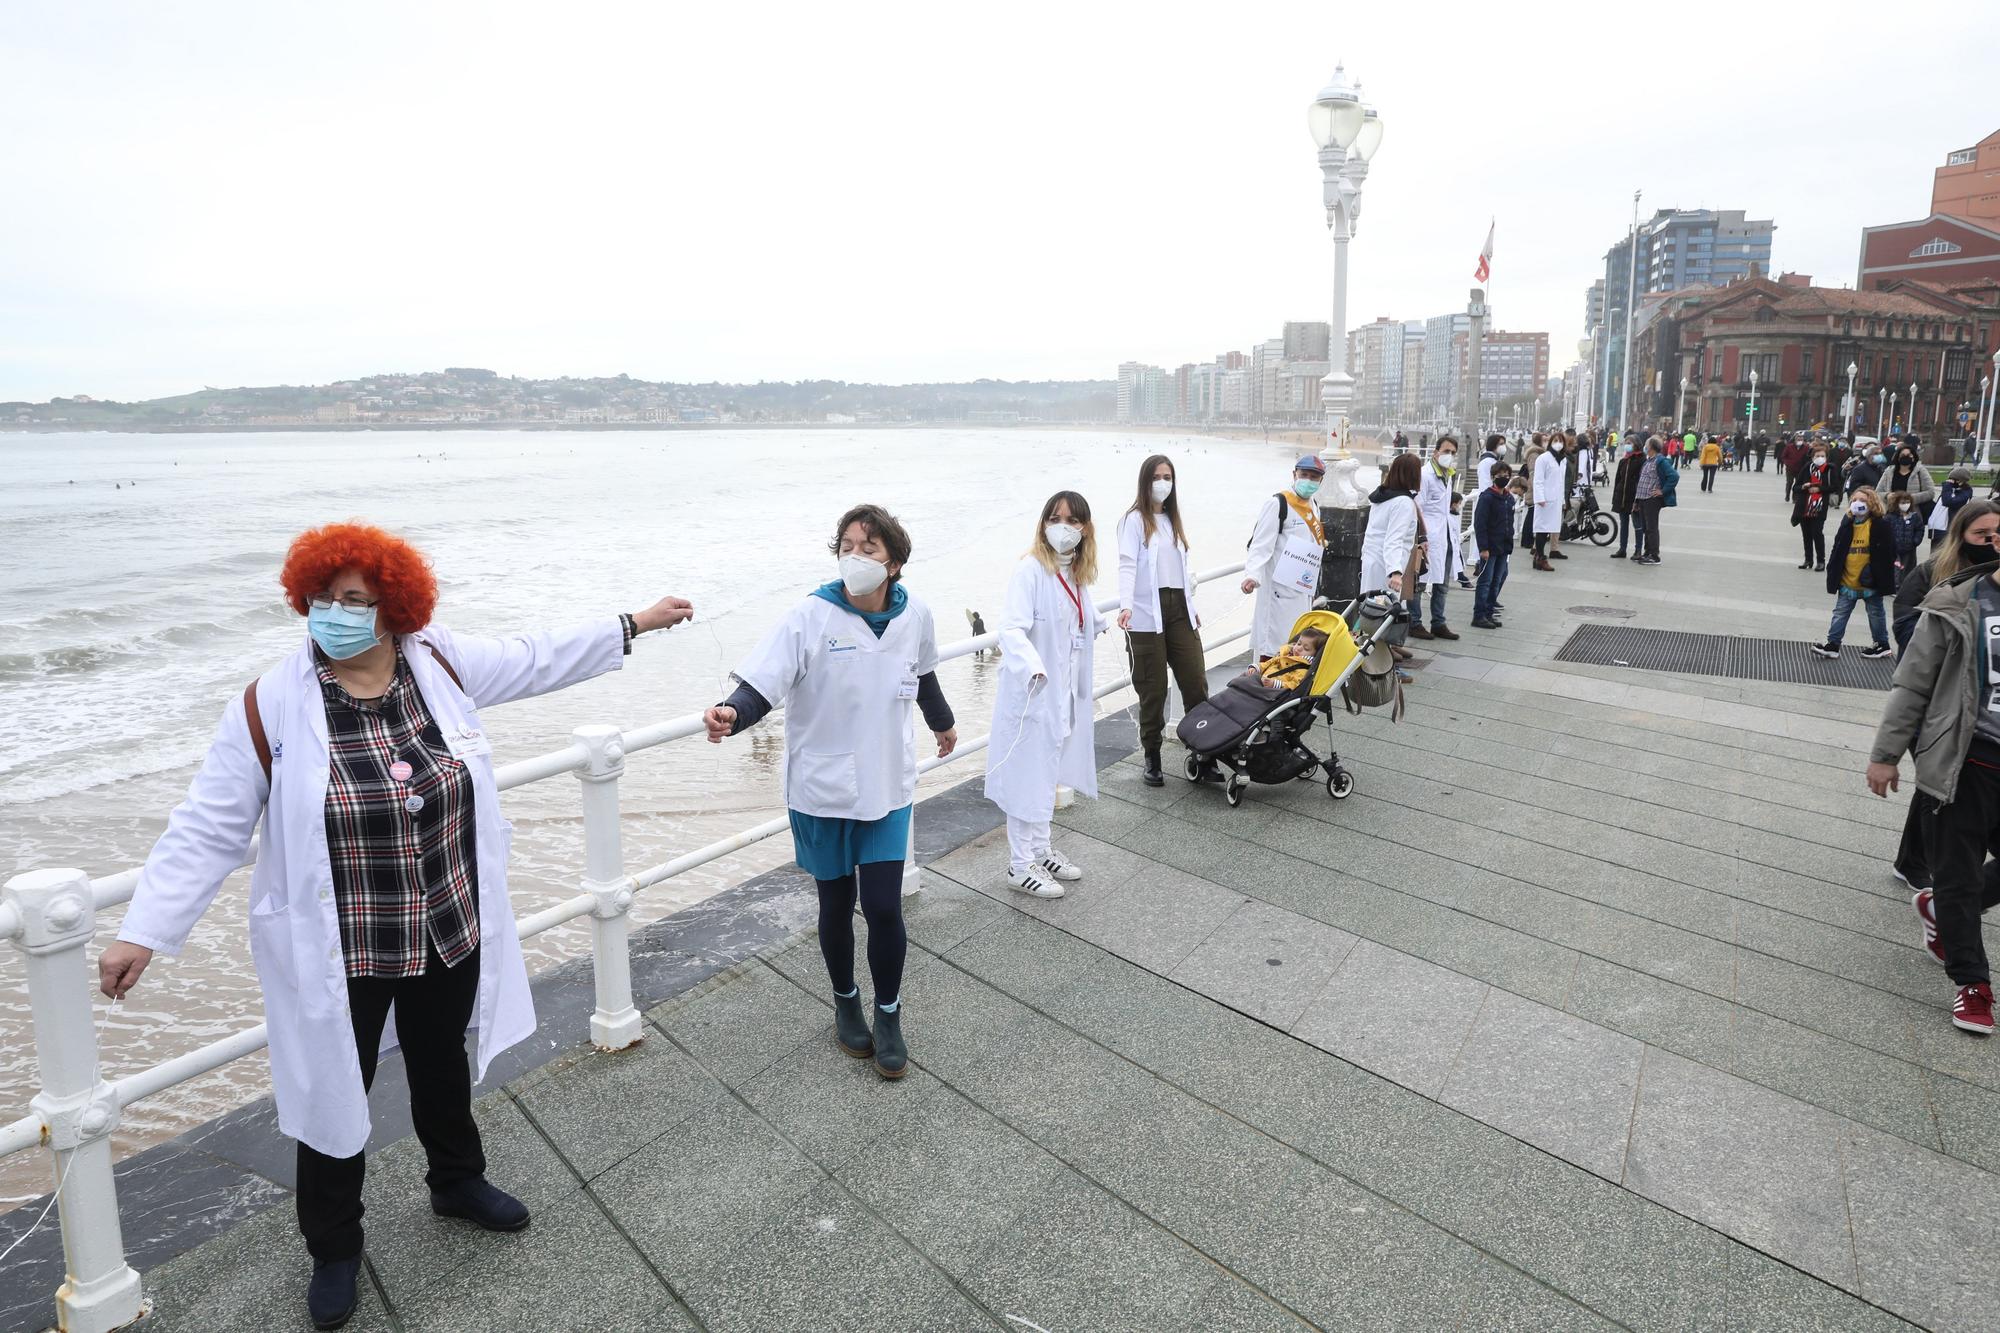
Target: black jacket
1866,473
1493,521
1828,480
1625,482
1880,574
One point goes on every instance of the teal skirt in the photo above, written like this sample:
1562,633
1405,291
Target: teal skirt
830,848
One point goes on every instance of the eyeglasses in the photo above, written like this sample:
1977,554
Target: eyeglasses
352,601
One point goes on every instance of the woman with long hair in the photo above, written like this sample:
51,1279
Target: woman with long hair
1156,606
1042,736
1969,543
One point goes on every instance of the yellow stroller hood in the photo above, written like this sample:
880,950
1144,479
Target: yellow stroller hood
1339,655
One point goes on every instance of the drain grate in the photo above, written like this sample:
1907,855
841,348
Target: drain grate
1604,612
1784,660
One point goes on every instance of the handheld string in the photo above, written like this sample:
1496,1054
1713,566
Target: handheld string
1021,730
62,1176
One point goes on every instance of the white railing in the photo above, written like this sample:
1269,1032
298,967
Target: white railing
51,917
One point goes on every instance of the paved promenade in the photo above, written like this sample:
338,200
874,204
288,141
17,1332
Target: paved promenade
1595,1006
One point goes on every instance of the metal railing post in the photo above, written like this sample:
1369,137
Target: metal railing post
913,876
616,1023
55,920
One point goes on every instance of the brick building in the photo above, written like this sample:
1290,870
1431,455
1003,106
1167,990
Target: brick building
1800,340
1968,184
1938,248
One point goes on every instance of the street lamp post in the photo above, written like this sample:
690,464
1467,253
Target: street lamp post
1752,423
1852,371
1992,408
1882,413
1680,403
1911,429
1890,420
1347,134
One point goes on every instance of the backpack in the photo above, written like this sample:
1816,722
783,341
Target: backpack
1283,510
255,719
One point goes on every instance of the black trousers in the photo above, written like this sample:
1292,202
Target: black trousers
431,1013
1963,882
1813,531
1913,859
1651,507
879,887
1708,476
1177,647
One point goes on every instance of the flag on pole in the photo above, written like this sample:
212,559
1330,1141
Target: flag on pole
1485,269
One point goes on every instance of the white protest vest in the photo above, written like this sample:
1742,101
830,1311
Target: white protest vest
849,749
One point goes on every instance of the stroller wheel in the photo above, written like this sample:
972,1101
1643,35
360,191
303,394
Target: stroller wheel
1339,784
1192,767
1310,772
1233,793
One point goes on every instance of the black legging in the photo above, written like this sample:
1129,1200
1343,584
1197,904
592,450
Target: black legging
1708,476
882,903
1814,532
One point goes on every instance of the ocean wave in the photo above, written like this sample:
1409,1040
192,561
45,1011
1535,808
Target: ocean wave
120,641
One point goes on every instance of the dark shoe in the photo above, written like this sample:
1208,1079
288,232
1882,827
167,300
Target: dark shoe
892,1057
850,1026
1499,606
1806,565
482,1204
1464,582
1878,650
1153,776
1826,649
1821,566
1210,771
1486,624
1617,555
1544,565
332,1294
1419,632
1443,632
1557,555
1400,653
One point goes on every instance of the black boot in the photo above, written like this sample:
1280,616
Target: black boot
1154,778
331,1295
481,1203
892,1057
850,1026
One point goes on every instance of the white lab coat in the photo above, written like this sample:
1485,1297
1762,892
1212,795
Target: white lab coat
1386,543
1048,739
1284,557
294,925
1139,572
850,749
1441,535
1586,467
1486,462
1551,489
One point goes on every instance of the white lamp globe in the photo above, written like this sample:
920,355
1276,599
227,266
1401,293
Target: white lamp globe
1336,114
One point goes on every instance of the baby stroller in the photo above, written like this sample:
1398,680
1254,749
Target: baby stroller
1257,731
1582,518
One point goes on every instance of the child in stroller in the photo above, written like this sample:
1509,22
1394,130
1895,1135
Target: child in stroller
1256,727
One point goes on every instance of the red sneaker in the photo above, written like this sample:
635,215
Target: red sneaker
1927,913
1973,1009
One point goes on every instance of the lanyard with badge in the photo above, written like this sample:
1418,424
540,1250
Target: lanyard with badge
1075,600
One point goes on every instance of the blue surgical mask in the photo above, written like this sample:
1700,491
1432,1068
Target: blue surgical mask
342,631
1305,488
1879,460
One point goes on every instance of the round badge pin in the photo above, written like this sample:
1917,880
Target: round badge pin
414,804
400,771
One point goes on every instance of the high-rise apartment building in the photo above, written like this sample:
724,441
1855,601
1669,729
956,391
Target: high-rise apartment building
1967,186
1143,392
1511,365
1439,393
1307,340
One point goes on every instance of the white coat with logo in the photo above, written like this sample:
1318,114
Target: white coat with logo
294,926
1386,543
1284,557
850,749
1444,562
1551,489
1044,737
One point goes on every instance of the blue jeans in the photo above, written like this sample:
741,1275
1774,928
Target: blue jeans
1437,605
1625,526
1491,575
1843,607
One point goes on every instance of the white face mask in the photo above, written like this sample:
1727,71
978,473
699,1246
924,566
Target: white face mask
1161,490
1557,446
1819,460
860,575
1859,509
1449,462
1063,537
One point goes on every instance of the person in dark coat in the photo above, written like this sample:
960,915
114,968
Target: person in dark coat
1813,498
1493,533
1624,485
1861,570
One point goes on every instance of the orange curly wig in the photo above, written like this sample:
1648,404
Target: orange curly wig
401,575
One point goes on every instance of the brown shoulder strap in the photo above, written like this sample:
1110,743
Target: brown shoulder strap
256,721
446,665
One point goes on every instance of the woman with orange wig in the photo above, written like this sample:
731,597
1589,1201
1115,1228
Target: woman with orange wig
381,877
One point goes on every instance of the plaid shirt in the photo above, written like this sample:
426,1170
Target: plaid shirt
397,873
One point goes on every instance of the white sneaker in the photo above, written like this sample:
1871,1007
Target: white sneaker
1059,865
1028,881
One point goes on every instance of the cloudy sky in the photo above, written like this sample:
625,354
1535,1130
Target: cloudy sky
250,193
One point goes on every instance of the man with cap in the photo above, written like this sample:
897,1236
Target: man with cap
1282,563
